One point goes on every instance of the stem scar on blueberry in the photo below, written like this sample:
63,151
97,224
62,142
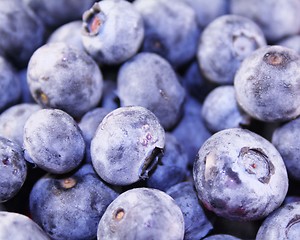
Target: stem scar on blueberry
119,214
276,59
93,19
68,183
41,96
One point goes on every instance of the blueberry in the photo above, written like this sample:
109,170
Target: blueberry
281,224
221,111
127,145
277,18
53,141
69,33
64,77
266,84
286,139
13,119
221,237
240,175
142,213
191,131
26,96
88,125
112,31
20,30
20,227
10,85
172,168
224,44
70,206
110,98
148,80
55,14
197,224
170,29
292,42
13,169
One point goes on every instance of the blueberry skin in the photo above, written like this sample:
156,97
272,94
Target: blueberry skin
196,223
239,175
64,77
266,84
69,33
88,125
26,96
10,86
221,237
127,145
207,11
56,13
70,206
286,140
110,98
148,80
191,131
20,227
170,29
292,42
13,169
53,141
113,31
220,110
172,168
20,30
224,44
281,224
277,18
142,213
13,119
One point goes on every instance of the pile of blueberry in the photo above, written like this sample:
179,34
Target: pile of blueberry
149,119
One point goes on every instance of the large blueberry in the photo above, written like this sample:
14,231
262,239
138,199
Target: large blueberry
220,110
148,80
20,227
142,213
170,29
196,223
224,44
240,175
13,169
13,119
70,206
281,224
112,31
64,77
53,141
127,145
267,84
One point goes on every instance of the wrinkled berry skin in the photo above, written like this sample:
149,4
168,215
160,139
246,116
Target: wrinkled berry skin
196,223
53,141
126,145
20,30
113,31
277,18
56,13
172,168
191,131
224,44
64,77
70,33
148,80
220,110
281,224
13,169
20,227
10,85
267,84
70,206
240,175
13,119
88,125
286,139
142,213
170,29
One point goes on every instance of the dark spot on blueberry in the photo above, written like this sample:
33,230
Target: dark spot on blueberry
6,161
233,175
150,162
218,203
